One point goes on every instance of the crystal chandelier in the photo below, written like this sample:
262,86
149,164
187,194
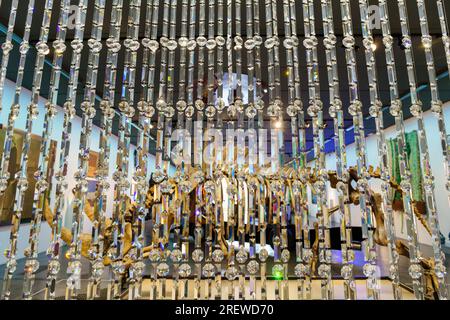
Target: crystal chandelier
205,81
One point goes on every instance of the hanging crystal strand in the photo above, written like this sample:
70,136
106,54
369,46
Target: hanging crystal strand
107,105
120,176
181,105
260,214
355,110
61,185
180,175
444,29
153,45
15,109
209,270
127,109
14,113
439,114
273,112
415,270
73,284
159,176
376,112
241,255
31,265
88,106
416,110
252,183
6,49
218,254
185,269
107,116
169,111
294,109
337,114
22,176
315,110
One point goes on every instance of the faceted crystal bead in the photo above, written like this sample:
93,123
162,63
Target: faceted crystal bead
113,45
407,42
348,42
176,255
415,271
42,48
427,41
259,104
172,45
197,255
395,108
285,255
199,104
97,269
292,111
186,186
218,256
210,112
436,107
24,47
192,44
220,41
231,111
307,255
183,42
324,270
346,272
354,109
59,46
209,187
154,255
31,266
253,267
251,112
15,110
7,47
54,267
242,256
95,45
208,270
416,109
330,41
33,110
169,112
393,272
220,105
278,271
231,273
161,104
263,254
369,270
77,46
201,41
163,269
388,41
258,40
181,105
211,44
300,270
189,112
310,42
185,270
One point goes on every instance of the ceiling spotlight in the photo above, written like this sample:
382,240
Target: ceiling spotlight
374,46
278,124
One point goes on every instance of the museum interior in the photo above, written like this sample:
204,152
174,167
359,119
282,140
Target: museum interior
224,149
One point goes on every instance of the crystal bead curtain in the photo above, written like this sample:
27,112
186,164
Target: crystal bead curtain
214,90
